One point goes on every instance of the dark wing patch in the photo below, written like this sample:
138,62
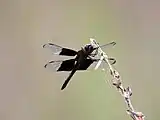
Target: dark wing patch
60,65
84,65
68,52
56,49
67,65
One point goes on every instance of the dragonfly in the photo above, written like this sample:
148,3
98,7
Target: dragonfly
82,60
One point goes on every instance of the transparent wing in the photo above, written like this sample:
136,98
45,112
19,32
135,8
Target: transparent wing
60,65
112,61
108,45
95,52
56,49
99,63
68,65
53,65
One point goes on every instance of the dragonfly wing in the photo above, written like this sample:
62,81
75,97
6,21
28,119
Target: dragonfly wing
108,45
87,63
84,65
112,61
103,64
60,65
56,49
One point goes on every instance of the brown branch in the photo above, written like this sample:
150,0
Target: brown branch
117,82
126,93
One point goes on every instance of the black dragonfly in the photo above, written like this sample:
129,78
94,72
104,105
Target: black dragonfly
83,59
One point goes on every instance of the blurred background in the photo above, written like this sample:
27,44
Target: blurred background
30,92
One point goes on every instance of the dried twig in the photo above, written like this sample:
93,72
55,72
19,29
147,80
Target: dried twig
117,82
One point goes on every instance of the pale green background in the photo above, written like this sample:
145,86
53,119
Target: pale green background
30,92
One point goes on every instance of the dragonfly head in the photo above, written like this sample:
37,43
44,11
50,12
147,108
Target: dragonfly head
88,48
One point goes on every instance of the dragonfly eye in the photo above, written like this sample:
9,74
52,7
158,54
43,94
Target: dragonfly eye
88,48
